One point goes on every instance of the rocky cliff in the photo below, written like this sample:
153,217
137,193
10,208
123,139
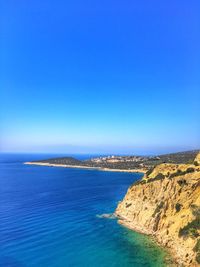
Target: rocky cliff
166,205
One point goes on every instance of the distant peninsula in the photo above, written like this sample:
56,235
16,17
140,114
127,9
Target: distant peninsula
130,163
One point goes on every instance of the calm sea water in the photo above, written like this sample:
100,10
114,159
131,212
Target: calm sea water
48,218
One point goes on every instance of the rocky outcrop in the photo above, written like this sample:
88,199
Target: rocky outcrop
166,205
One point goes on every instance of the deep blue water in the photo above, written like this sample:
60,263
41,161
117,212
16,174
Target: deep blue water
48,218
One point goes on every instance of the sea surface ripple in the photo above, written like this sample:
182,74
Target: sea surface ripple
48,218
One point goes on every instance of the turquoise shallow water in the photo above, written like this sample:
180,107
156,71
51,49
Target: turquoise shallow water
48,218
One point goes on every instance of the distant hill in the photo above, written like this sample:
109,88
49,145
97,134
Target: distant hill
63,160
177,158
126,162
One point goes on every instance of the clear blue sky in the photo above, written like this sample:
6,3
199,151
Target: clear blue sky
100,76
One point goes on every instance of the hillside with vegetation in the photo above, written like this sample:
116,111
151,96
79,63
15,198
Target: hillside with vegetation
132,162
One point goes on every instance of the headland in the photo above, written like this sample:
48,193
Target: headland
165,204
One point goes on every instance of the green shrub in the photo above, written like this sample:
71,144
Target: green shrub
179,172
178,207
197,246
144,198
197,250
189,170
159,176
138,183
191,229
195,210
198,258
182,182
150,171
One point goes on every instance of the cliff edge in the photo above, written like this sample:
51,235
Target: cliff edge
166,205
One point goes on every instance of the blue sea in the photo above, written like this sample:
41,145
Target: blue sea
49,218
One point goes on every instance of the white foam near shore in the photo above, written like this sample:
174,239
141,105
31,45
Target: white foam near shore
106,216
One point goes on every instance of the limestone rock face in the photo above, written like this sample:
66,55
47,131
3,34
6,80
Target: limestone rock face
166,204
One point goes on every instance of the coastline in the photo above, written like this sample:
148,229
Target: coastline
84,167
170,253
167,210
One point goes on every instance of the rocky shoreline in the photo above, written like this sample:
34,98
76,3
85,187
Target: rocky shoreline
165,204
171,260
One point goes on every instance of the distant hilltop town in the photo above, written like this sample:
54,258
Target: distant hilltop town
117,159
145,162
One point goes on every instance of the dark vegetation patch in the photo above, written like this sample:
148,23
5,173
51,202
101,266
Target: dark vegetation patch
128,205
178,207
150,171
182,182
192,228
198,258
64,160
139,182
159,176
197,250
179,172
195,210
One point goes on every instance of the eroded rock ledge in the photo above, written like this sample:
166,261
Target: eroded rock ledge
166,205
